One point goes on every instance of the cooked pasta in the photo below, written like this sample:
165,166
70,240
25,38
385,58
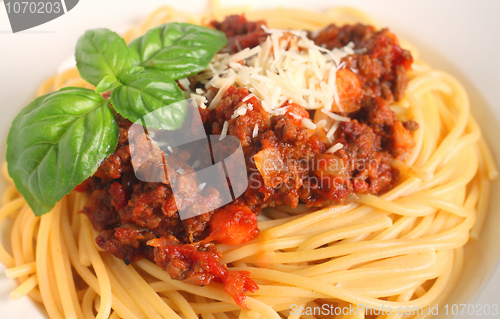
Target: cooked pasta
403,249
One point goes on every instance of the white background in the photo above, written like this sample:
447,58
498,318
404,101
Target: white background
458,36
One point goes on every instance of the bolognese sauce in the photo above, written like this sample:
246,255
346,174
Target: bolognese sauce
287,162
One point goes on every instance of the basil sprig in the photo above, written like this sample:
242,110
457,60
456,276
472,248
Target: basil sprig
60,139
178,49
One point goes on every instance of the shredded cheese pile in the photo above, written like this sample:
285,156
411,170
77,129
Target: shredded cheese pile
288,66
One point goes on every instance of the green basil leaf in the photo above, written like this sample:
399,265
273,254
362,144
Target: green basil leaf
130,70
150,94
178,49
108,83
101,53
58,141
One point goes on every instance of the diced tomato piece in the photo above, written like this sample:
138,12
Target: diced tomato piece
186,262
237,283
350,92
233,225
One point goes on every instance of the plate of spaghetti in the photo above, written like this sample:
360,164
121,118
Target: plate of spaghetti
247,163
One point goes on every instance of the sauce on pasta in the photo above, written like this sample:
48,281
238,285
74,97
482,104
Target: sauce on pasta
287,162
393,240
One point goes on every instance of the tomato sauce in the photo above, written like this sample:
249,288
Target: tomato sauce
286,163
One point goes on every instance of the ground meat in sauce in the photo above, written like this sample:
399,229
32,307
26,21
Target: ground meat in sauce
140,219
241,33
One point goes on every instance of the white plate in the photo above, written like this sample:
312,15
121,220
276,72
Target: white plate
460,37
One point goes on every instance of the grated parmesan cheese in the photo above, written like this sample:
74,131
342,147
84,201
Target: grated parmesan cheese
332,130
248,97
321,123
196,163
334,148
185,84
308,123
221,92
242,110
287,66
255,131
224,130
279,112
200,100
336,116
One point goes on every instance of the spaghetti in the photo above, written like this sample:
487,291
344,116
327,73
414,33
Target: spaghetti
402,249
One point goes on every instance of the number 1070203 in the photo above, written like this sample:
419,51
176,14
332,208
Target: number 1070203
471,309
33,7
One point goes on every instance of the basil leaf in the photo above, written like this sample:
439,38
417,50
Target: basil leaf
150,94
108,83
179,49
131,70
58,141
101,53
